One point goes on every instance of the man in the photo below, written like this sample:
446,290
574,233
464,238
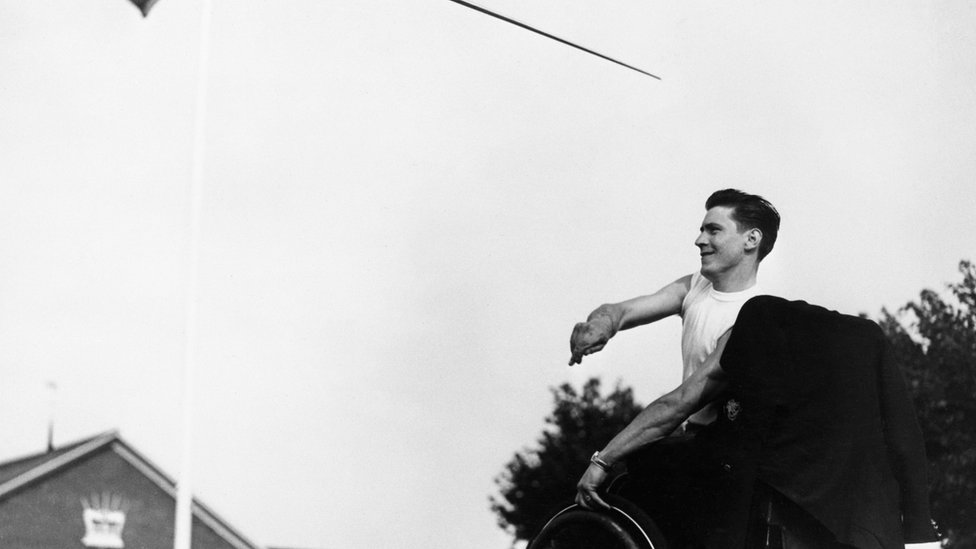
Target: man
738,231
815,417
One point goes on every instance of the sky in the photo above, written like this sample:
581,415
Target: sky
406,207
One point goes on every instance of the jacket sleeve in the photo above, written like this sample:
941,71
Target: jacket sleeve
906,450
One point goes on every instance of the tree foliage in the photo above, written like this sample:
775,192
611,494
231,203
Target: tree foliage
934,342
537,480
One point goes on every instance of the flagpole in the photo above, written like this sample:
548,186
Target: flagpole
184,489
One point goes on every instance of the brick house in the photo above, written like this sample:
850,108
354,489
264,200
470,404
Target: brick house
98,493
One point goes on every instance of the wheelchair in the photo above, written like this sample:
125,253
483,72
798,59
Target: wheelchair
625,526
774,523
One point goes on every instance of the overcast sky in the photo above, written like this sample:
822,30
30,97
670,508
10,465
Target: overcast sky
408,204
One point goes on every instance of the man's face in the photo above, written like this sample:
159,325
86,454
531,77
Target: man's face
721,245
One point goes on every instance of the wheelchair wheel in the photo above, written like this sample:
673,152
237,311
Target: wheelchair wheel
624,527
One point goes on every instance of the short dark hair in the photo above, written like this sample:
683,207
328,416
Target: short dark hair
749,211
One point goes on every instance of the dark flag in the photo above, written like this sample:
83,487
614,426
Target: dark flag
144,5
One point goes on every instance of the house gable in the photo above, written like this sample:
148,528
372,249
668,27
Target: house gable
45,506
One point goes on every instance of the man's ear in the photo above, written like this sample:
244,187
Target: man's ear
753,238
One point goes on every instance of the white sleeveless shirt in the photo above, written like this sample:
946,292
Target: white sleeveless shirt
706,314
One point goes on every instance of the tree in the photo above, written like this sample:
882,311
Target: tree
934,342
537,480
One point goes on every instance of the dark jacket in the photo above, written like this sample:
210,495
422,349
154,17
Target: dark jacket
816,411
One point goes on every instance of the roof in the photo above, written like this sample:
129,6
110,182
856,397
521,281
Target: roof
13,469
23,472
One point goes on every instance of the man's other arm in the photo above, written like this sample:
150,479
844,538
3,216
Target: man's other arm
656,421
608,319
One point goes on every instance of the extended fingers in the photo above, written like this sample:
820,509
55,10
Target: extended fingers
580,353
575,344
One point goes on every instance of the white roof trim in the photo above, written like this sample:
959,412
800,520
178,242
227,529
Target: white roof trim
34,473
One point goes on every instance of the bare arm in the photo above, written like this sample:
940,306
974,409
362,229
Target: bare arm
657,420
606,320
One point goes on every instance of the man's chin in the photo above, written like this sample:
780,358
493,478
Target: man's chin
708,273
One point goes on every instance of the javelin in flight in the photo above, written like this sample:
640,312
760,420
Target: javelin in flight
547,35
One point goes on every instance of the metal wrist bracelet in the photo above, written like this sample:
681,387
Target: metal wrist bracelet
595,460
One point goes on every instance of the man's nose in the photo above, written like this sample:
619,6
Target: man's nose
701,241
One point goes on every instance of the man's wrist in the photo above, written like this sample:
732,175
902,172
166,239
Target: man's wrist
595,459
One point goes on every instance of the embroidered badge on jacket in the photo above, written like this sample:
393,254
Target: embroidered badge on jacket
732,409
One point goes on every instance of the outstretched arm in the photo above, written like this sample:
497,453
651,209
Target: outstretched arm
656,421
606,320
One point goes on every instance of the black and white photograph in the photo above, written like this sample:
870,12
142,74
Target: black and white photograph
428,274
